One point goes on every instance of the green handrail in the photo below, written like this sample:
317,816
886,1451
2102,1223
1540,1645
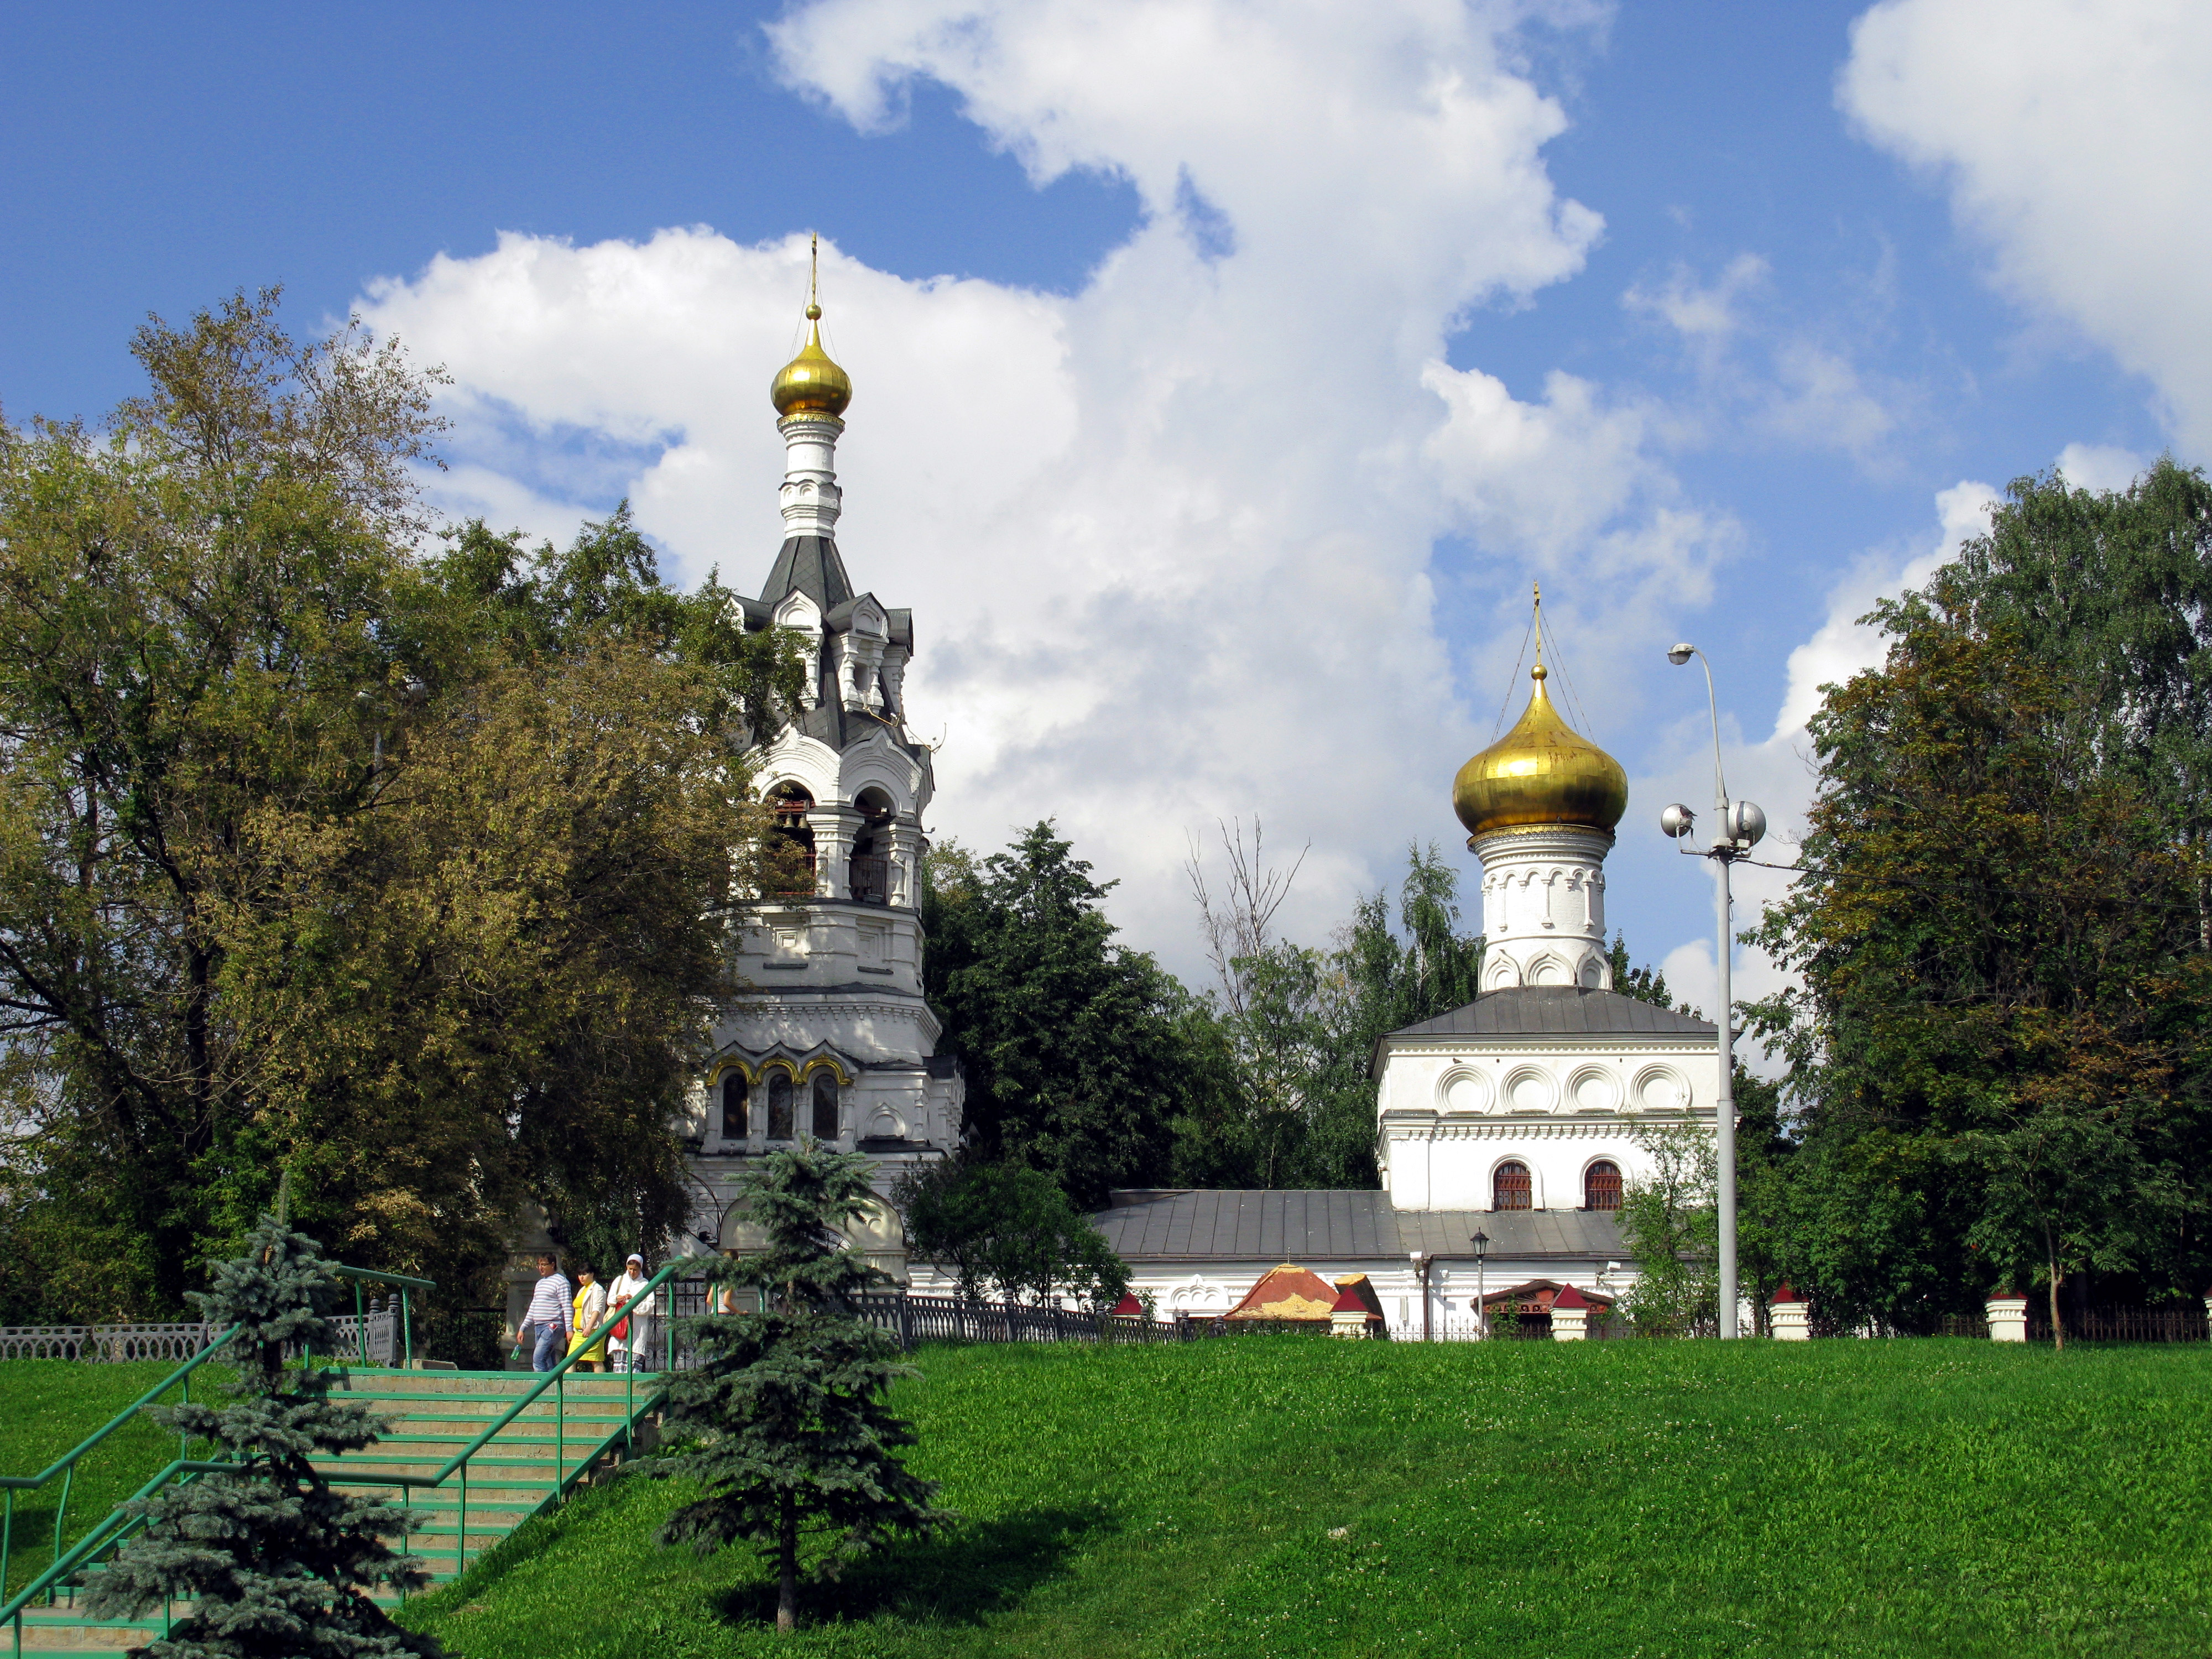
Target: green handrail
557,1379
109,1531
112,1529
66,1464
372,1276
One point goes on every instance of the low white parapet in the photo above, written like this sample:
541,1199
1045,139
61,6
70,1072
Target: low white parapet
1570,1316
2007,1318
1790,1317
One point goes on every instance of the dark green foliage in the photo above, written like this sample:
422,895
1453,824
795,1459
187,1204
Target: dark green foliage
406,875
278,1563
1645,984
1299,1026
1998,1054
1073,1046
1669,1222
1009,1229
784,1419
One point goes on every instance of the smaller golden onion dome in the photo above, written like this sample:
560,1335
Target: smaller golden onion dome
1542,772
811,384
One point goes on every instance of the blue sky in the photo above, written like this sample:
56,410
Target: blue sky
1226,374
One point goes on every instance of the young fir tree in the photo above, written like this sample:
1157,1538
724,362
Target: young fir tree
276,1564
785,1414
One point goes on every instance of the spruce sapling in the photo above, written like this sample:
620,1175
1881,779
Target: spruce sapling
276,1563
784,1416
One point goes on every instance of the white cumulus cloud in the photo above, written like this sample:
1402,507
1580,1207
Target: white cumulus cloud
2071,138
1167,539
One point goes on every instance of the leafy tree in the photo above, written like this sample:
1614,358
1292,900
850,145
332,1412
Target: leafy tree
274,1561
1995,1047
784,1415
1670,1223
1645,984
1378,979
1072,1045
407,876
1009,1229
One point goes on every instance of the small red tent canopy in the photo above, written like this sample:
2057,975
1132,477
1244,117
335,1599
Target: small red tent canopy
1129,1307
1288,1292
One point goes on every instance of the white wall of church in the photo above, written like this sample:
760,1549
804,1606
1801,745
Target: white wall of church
1449,1111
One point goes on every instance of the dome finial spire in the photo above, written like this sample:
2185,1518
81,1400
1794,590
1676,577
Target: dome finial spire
1543,772
810,384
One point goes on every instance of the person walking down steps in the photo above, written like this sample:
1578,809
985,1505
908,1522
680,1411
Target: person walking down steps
628,1348
545,1327
591,1312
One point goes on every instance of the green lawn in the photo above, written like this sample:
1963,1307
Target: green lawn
49,1406
1276,1496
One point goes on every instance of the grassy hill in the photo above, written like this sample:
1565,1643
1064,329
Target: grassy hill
49,1406
1280,1496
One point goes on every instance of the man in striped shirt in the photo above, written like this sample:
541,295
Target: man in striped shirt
548,1317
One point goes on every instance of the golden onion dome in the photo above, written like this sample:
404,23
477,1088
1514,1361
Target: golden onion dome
1542,772
811,384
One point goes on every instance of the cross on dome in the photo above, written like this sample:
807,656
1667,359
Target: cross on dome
1542,772
811,384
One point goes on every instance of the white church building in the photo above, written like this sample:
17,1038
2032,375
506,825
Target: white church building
1516,1117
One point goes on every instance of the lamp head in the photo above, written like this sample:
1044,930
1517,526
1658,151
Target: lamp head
1481,1243
1677,821
1746,824
1679,654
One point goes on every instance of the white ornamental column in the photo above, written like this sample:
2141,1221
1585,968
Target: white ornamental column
2007,1314
811,498
905,842
834,828
1543,907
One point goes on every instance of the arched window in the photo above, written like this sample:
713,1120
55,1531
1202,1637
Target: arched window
734,1106
825,1106
790,850
779,1105
1602,1186
1511,1187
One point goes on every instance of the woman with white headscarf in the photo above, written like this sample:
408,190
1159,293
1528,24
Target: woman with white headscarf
629,1349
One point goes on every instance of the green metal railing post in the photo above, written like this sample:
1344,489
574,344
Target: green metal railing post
360,1324
117,1525
406,1328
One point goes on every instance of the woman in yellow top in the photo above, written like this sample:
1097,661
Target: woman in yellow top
590,1306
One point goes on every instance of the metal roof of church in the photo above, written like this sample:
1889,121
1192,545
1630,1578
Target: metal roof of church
1183,1224
1559,1010
812,565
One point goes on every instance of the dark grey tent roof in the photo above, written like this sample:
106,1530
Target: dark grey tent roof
1177,1224
1556,1011
808,565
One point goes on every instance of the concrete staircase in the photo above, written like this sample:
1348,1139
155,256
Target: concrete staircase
560,1438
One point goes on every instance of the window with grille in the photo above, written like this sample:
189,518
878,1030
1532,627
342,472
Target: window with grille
1602,1186
734,1106
825,1107
1512,1187
779,1105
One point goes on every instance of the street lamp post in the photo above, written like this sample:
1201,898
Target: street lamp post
1737,828
1481,1243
